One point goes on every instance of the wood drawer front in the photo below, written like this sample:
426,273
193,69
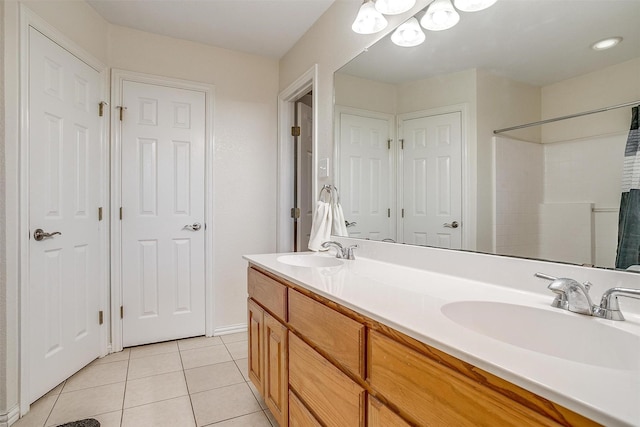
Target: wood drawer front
329,393
336,334
299,415
431,394
268,292
379,415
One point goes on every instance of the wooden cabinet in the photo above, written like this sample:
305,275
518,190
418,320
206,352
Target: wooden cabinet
333,333
329,393
317,363
378,415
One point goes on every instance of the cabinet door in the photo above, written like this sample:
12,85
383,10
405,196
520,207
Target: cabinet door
276,380
381,416
256,341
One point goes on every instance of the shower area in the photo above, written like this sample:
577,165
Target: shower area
558,181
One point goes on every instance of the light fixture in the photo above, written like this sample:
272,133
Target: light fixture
607,43
440,16
473,5
369,20
408,34
394,7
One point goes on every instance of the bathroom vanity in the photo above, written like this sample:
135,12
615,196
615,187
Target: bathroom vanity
354,343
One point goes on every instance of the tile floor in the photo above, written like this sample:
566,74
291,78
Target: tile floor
192,382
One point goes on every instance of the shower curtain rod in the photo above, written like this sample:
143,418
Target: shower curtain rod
570,116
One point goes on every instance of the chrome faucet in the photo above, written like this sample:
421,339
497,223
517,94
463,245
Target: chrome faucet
341,252
570,295
609,307
573,296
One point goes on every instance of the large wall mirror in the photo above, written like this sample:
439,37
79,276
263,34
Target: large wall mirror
417,159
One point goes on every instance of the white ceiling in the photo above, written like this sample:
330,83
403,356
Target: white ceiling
534,41
262,27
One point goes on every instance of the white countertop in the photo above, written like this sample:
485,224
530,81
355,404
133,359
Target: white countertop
411,300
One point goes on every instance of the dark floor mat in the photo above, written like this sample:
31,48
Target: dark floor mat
89,422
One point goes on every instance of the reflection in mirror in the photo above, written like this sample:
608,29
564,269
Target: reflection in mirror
417,160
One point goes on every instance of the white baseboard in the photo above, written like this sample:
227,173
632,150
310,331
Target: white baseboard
10,417
230,329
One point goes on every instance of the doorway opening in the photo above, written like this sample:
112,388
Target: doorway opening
297,169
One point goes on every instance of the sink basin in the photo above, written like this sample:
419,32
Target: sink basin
310,260
560,334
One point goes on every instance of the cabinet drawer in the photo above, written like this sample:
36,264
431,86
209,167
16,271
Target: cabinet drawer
268,292
378,415
330,394
299,415
339,336
439,396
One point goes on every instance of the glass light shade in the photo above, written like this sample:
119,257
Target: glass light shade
369,20
473,5
408,34
440,16
394,7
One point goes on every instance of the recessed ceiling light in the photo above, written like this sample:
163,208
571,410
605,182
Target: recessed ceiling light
606,43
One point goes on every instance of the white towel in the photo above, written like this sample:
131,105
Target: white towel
338,225
320,226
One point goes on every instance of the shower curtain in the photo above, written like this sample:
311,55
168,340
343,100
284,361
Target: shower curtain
629,219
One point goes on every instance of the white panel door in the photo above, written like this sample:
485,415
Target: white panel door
305,171
163,195
366,178
432,180
64,189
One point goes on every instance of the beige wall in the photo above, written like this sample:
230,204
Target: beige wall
501,102
609,86
365,94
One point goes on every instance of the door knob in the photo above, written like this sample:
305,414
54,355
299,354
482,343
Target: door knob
193,227
454,224
40,234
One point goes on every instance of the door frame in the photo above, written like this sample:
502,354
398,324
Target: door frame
286,119
117,78
468,160
29,19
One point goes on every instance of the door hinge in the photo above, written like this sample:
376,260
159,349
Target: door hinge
389,213
100,213
389,143
121,312
121,108
295,130
101,106
295,213
402,144
120,213
100,317
402,212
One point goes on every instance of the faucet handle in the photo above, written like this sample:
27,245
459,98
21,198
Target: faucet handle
349,251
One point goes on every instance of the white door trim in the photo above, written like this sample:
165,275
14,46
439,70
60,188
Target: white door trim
468,168
117,78
29,19
286,119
